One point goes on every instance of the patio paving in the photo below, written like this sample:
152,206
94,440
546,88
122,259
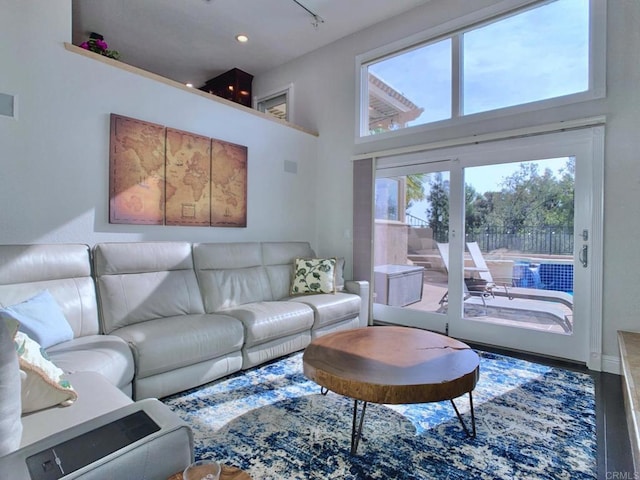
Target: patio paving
435,286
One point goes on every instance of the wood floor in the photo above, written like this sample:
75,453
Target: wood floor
614,450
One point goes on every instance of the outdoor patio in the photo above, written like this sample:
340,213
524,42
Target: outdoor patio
435,287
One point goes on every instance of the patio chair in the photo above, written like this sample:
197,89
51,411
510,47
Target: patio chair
443,249
510,291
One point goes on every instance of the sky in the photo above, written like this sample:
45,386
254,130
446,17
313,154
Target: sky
533,55
488,178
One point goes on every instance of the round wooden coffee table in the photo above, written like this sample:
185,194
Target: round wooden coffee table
228,473
392,365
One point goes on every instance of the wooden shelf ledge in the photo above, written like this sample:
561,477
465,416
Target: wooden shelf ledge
159,78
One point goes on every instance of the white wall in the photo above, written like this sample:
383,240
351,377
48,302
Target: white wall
54,156
325,89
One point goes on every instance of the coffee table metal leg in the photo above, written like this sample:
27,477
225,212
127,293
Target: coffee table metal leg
356,433
473,418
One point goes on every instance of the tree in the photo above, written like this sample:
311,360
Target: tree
564,213
415,188
438,209
476,208
527,198
534,199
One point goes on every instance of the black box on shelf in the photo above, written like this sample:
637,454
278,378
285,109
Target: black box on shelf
234,85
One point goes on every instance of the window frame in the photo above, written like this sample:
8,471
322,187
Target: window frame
454,30
287,91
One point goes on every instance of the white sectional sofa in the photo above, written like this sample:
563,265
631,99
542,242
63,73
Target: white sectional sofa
99,367
150,319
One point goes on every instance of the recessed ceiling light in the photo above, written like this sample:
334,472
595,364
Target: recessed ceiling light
190,85
242,38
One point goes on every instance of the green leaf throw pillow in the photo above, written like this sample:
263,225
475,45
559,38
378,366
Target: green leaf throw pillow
42,382
313,275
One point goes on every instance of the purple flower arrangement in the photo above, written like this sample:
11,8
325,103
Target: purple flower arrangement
97,45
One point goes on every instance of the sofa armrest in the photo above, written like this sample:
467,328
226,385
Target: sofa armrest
360,288
157,455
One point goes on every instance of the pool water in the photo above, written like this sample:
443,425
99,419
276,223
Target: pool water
547,276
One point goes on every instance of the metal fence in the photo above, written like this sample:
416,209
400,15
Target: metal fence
551,240
416,221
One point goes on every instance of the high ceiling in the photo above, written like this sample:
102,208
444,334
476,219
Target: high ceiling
194,40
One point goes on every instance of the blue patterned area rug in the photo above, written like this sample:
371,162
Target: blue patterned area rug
533,422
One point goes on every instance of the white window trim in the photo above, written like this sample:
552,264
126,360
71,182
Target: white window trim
588,132
287,90
597,69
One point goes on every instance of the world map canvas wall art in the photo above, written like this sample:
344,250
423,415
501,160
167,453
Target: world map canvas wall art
164,176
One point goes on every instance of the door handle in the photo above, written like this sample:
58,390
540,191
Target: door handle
583,255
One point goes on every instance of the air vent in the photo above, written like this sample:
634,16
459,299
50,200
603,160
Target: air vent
6,105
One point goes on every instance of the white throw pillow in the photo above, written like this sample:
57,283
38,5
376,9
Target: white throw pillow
10,404
41,318
42,382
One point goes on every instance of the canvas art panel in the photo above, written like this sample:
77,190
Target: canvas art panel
228,184
136,177
163,176
188,179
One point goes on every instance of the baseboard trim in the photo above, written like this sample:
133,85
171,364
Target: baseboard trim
611,364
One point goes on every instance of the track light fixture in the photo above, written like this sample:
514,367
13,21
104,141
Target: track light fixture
317,19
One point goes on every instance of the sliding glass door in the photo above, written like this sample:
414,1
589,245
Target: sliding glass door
410,280
492,243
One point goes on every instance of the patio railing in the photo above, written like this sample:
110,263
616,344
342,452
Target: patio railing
551,240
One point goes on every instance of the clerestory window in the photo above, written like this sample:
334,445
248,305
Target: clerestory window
546,54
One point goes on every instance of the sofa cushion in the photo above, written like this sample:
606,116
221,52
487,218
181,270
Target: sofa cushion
62,269
166,344
331,308
128,299
280,277
265,321
41,318
313,275
10,404
42,383
230,274
120,258
278,260
226,256
108,355
223,289
141,281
